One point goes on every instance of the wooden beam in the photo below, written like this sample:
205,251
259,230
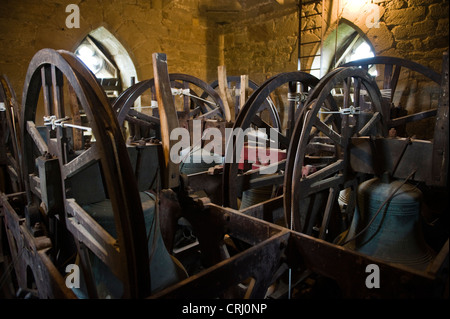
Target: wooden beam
168,116
225,94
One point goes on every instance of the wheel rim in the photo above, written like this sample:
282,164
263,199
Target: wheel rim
123,104
109,151
11,138
248,116
336,174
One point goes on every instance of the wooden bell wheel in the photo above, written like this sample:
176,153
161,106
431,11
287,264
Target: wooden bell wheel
311,198
234,85
10,139
404,81
410,93
238,178
60,151
193,98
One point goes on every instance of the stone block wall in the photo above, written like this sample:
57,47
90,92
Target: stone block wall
143,27
263,41
254,37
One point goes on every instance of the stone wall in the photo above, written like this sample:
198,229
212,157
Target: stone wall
264,40
254,37
143,27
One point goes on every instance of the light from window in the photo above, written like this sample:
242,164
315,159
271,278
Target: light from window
362,51
87,54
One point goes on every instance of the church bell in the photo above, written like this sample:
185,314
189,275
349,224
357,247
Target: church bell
389,226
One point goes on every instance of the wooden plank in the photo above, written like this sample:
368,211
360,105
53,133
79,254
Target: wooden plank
86,230
37,138
35,185
375,156
243,91
81,161
440,157
168,116
77,135
412,118
225,94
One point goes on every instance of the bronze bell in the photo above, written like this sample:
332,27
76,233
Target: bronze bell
254,196
389,228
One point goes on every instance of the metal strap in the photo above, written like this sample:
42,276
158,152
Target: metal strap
54,122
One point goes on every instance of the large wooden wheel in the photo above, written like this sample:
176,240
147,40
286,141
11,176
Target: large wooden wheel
193,98
234,86
402,82
10,138
238,177
57,159
311,199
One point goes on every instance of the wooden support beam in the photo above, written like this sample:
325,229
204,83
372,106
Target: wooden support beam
225,94
243,94
168,116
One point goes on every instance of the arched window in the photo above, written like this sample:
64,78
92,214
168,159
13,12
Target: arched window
344,44
106,57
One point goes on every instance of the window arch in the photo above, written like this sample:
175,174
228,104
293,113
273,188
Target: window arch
106,57
345,43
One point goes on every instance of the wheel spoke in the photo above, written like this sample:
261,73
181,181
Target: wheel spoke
46,92
142,116
37,138
83,160
283,140
318,165
208,114
357,93
328,211
328,131
140,122
314,180
57,87
374,120
394,80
